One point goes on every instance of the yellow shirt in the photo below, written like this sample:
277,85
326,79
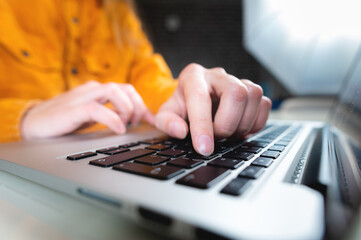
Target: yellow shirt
50,46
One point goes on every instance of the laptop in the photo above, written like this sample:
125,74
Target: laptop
292,180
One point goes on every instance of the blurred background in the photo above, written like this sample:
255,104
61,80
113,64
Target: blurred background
292,48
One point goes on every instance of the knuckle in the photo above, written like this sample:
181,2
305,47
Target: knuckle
255,91
244,128
219,70
129,86
267,102
128,109
224,131
192,67
92,83
111,88
91,108
239,92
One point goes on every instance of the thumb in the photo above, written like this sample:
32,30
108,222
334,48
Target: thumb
172,124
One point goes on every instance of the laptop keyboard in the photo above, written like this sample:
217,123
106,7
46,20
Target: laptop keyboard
166,158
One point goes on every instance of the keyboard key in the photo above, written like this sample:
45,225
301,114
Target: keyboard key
239,155
185,162
81,156
161,172
172,153
282,143
256,144
262,162
270,154
244,148
204,177
128,145
237,186
158,147
226,163
152,141
267,139
277,148
116,151
198,156
151,160
103,150
122,157
252,172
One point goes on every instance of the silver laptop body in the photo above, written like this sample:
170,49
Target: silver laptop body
316,174
288,200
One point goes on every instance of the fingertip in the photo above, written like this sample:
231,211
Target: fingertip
204,145
120,128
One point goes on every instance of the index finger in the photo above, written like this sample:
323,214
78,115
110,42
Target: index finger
199,108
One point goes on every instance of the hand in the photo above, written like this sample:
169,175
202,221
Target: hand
239,106
83,106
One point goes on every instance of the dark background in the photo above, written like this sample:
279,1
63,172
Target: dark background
208,32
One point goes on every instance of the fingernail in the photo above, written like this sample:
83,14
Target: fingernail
177,130
204,145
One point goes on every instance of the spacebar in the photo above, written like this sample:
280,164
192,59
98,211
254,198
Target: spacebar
121,157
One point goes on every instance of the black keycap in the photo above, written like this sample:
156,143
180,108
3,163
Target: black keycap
116,151
152,141
185,162
204,177
267,139
245,148
226,163
160,172
158,147
198,156
262,162
282,143
122,157
239,155
188,148
128,145
237,186
103,150
252,172
151,160
287,138
277,148
256,144
270,154
172,153
81,156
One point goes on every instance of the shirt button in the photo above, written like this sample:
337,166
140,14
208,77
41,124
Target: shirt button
75,20
25,53
74,71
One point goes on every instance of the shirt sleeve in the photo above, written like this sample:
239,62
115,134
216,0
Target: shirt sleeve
13,110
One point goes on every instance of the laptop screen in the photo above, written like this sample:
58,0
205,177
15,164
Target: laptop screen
344,191
347,115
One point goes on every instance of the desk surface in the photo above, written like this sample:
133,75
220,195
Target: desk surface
30,211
